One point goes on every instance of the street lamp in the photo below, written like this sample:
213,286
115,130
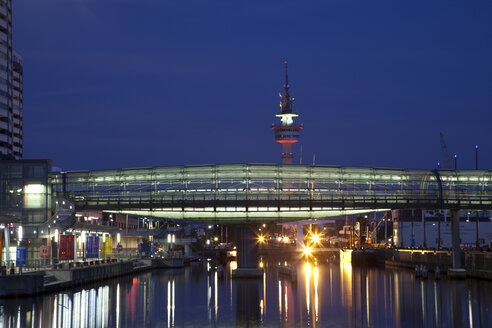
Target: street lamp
104,245
306,251
55,260
476,157
83,245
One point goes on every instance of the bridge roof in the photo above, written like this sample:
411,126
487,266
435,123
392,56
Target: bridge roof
257,192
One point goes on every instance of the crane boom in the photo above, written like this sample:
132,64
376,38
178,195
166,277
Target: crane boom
447,163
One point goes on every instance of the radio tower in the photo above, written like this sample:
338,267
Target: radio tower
287,133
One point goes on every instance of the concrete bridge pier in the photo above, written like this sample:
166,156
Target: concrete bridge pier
187,250
247,253
457,271
300,237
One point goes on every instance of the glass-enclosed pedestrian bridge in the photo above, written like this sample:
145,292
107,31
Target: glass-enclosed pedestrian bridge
260,192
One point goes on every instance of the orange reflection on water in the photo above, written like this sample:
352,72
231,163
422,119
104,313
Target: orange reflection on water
307,274
131,298
315,277
346,283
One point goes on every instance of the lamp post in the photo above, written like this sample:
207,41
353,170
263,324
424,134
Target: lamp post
118,245
83,245
455,161
104,246
57,238
19,237
476,157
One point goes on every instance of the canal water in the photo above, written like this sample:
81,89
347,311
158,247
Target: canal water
325,295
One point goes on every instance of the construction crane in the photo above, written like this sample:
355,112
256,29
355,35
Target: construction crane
447,163
372,236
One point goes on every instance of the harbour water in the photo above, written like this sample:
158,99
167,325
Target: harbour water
325,295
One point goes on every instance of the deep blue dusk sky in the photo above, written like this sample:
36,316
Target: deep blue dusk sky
132,83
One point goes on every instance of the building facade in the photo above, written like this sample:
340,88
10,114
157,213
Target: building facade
10,88
25,194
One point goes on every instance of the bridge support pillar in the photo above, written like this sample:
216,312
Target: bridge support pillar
247,253
457,271
187,250
300,237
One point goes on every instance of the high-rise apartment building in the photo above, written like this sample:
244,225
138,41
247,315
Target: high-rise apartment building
10,87
17,104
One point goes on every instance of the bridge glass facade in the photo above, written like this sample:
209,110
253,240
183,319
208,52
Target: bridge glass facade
251,188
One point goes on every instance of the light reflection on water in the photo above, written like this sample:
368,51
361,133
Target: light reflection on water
324,295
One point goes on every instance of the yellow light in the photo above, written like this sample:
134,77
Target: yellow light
307,251
286,239
261,264
315,238
216,238
346,256
261,239
279,239
34,189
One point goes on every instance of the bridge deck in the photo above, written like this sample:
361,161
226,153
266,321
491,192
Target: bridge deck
246,190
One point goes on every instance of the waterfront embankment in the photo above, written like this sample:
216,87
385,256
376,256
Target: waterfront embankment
68,275
477,264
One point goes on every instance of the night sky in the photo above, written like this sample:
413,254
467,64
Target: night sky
140,83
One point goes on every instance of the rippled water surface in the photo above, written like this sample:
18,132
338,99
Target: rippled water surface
325,295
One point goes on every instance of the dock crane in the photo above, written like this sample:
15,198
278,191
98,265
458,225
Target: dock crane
447,163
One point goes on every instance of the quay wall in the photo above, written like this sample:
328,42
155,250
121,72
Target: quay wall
477,264
32,283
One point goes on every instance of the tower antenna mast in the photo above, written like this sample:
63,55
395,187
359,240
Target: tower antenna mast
287,133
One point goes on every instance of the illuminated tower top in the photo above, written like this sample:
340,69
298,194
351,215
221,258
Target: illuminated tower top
287,133
286,101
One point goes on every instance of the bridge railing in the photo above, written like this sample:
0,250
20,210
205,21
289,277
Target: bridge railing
252,200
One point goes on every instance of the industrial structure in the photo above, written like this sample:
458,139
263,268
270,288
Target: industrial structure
11,72
287,133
